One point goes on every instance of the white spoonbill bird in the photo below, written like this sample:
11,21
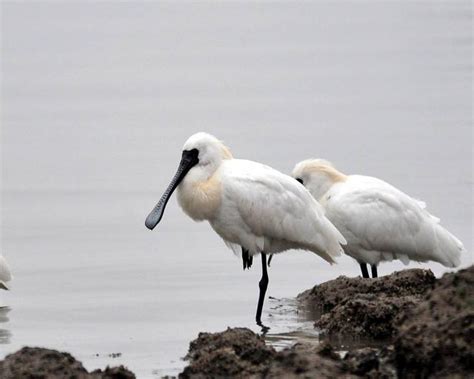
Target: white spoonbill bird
251,206
379,222
5,273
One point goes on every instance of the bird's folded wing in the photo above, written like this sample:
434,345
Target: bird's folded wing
276,206
384,220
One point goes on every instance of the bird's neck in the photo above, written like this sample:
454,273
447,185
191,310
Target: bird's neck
321,183
200,196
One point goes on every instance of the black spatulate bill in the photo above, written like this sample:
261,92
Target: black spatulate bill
188,160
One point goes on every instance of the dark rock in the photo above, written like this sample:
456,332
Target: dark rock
359,310
242,341
32,362
324,297
240,353
113,373
364,317
237,352
372,362
306,361
38,363
436,338
363,361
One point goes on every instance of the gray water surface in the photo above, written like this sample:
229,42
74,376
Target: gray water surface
97,100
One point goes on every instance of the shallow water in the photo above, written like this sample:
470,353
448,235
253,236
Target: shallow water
100,288
97,101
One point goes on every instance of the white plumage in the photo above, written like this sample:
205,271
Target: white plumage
5,273
254,206
379,222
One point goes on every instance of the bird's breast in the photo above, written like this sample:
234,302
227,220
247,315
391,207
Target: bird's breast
200,200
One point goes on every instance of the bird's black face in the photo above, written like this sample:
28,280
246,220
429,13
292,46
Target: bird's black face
300,180
189,159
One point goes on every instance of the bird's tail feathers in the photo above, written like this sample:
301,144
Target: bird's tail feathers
449,248
328,258
335,241
328,245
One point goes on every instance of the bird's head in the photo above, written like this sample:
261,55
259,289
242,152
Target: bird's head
210,152
201,157
317,175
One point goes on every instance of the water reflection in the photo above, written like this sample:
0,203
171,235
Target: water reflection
5,334
289,324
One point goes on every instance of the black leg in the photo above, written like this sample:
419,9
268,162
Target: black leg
365,272
246,259
374,271
263,284
270,259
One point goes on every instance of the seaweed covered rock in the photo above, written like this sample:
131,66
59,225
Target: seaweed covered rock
359,309
236,352
30,362
365,317
36,362
324,297
435,339
308,361
370,362
242,341
240,353
119,372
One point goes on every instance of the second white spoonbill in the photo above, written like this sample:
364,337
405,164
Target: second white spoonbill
251,206
379,221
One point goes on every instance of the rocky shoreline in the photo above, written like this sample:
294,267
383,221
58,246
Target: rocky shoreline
360,310
404,325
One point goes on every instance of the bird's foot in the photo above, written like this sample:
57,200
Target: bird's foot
265,328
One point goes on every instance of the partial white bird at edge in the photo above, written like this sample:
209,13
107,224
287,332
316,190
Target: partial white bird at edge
5,274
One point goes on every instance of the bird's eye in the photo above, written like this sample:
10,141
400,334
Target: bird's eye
300,180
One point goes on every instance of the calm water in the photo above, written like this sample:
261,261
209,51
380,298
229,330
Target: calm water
97,100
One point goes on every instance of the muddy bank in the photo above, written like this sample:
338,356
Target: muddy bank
36,362
358,310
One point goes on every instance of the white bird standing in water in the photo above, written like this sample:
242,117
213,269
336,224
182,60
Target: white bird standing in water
379,222
5,273
251,206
